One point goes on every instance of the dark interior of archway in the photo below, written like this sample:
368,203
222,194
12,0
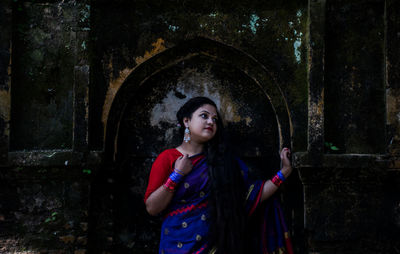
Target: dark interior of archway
148,127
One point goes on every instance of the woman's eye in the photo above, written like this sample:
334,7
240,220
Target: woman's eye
215,120
203,115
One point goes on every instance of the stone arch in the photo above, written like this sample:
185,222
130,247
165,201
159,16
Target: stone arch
216,51
106,184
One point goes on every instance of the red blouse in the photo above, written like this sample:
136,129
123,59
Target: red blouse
161,169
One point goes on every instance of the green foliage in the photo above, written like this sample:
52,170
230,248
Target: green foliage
331,147
51,218
87,171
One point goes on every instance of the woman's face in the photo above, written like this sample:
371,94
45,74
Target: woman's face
203,124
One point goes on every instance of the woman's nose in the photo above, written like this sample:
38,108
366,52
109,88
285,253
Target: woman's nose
210,120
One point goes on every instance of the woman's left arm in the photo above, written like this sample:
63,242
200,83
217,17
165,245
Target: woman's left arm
269,187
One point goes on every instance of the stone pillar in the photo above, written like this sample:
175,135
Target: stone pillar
81,78
392,53
5,77
316,55
392,85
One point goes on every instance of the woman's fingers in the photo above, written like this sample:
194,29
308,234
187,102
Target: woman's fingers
184,163
285,153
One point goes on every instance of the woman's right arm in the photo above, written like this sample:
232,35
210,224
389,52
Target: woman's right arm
158,200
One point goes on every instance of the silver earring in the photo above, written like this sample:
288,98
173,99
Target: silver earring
186,137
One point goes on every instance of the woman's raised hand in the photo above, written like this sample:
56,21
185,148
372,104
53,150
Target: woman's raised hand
286,165
184,164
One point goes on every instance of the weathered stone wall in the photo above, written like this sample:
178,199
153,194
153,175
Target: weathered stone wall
85,80
350,201
44,210
45,169
251,27
354,74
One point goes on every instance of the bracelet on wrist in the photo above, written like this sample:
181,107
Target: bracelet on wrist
276,180
168,188
179,171
281,176
176,177
170,185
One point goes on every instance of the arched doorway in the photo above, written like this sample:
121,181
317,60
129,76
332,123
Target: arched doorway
142,124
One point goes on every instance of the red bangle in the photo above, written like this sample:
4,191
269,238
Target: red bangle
170,185
168,189
276,180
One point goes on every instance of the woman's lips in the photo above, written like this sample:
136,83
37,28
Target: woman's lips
209,128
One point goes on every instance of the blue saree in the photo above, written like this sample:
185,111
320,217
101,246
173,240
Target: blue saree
185,226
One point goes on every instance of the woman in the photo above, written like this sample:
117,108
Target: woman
202,189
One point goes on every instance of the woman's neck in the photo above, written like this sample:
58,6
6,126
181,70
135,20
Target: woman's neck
191,148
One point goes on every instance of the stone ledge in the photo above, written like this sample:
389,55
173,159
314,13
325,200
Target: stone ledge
352,169
302,160
53,158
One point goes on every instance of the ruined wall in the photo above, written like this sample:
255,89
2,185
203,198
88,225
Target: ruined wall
350,205
45,172
62,64
248,26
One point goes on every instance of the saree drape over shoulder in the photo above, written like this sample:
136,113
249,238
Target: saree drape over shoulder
186,220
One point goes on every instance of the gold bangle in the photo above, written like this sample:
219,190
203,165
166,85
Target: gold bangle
179,172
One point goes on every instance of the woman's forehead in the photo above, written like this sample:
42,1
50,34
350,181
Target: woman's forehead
207,108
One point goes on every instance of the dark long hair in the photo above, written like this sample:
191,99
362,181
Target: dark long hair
227,196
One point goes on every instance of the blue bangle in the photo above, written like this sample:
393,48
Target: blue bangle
179,171
176,177
281,176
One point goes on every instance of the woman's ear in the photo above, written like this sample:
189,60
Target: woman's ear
186,121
